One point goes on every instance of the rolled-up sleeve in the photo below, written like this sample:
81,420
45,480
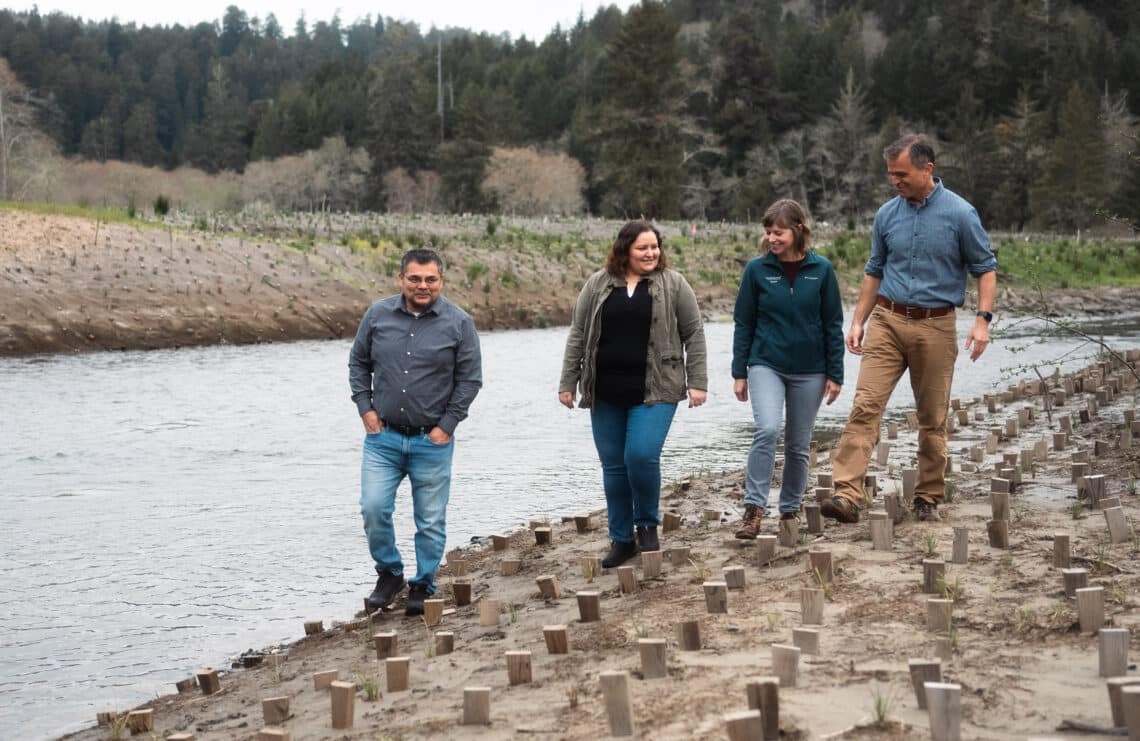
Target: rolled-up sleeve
468,377
977,252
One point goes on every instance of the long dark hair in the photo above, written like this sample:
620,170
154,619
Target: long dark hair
618,259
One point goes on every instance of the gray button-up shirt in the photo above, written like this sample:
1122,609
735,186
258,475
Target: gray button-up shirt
416,371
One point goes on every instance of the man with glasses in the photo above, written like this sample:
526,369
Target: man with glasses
414,370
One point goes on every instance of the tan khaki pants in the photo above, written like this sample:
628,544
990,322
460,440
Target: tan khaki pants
891,345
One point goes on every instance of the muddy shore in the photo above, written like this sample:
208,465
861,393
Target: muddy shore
77,285
1015,645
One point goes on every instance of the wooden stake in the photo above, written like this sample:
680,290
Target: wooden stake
670,521
651,564
909,479
679,555
1115,701
556,640
1061,558
500,542
821,567
185,685
811,606
882,453
824,480
999,502
812,512
543,536
733,577
744,725
458,567
461,591
938,612
140,721
397,668
943,648
209,681
1074,579
589,607
764,695
1113,651
488,612
1118,530
1094,489
789,533
619,708
881,531
627,579
944,701
548,586
921,672
322,680
711,515
591,566
998,530
765,549
433,612
275,710
806,640
343,702
386,645
1090,608
932,570
689,635
786,664
961,553
313,627
509,566
716,597
652,657
444,642
476,706
518,667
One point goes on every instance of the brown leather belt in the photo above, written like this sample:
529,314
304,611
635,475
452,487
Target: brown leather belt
913,312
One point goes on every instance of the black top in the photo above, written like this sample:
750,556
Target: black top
623,346
792,269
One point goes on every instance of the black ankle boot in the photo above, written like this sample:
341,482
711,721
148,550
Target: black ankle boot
647,538
619,553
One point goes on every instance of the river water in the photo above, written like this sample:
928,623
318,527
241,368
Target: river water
163,510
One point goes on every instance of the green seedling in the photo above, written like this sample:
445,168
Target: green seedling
371,686
949,490
823,583
1076,509
118,726
1024,620
930,545
881,705
951,590
1060,616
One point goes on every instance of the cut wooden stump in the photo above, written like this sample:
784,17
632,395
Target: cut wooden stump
461,592
1074,579
322,680
1118,530
938,613
185,685
670,521
764,695
765,549
921,672
733,577
1094,489
716,597
500,542
813,515
627,579
679,555
556,639
444,642
711,515
999,502
824,480
209,681
998,532
789,533
619,707
591,566
589,607
1061,557
932,571
313,627
396,669
343,696
943,648
689,635
543,536
821,567
433,612
140,721
806,640
489,612
1115,685
548,586
744,725
786,664
811,606
652,651
275,710
387,645
476,706
509,566
882,530
944,703
909,479
961,551
518,667
651,564
882,453
1112,651
1090,608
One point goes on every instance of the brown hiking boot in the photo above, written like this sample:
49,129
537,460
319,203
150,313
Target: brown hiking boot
925,511
750,526
840,508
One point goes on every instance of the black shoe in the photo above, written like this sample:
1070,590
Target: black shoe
387,587
924,511
619,553
416,596
647,538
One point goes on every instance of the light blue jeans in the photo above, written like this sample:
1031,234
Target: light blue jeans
768,391
388,458
629,442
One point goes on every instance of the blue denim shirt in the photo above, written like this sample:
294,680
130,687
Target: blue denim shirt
922,253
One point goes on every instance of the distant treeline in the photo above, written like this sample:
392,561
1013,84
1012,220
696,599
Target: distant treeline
683,108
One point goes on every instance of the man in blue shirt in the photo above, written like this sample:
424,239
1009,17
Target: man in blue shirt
923,244
414,369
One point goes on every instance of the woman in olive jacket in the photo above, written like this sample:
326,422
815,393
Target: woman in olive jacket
787,350
636,348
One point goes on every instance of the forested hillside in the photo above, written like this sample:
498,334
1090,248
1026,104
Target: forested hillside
687,108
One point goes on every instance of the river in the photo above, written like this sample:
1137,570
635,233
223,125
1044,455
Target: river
164,510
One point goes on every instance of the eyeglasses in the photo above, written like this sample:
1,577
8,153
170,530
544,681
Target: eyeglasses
415,280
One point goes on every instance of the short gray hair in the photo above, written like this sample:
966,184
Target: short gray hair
919,148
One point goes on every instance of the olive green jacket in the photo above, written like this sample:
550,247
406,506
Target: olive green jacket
677,358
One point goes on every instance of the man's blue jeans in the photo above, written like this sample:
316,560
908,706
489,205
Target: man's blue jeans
388,458
629,442
768,390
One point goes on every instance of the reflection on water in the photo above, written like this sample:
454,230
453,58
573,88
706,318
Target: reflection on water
163,510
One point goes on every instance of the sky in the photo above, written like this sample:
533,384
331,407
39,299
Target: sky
534,18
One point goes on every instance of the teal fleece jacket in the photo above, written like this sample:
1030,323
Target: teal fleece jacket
788,328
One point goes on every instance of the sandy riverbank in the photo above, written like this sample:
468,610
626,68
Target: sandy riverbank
1024,666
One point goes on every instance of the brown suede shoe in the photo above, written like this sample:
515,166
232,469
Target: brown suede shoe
924,511
840,508
750,527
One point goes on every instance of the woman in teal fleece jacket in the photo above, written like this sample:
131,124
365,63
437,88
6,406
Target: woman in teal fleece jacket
787,351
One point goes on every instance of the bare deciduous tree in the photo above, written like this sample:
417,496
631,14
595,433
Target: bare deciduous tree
529,183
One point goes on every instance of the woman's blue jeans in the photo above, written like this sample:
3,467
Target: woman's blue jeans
629,442
769,391
388,458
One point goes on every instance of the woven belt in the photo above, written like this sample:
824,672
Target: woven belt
407,431
913,312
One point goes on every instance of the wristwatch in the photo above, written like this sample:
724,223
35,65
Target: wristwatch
986,315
